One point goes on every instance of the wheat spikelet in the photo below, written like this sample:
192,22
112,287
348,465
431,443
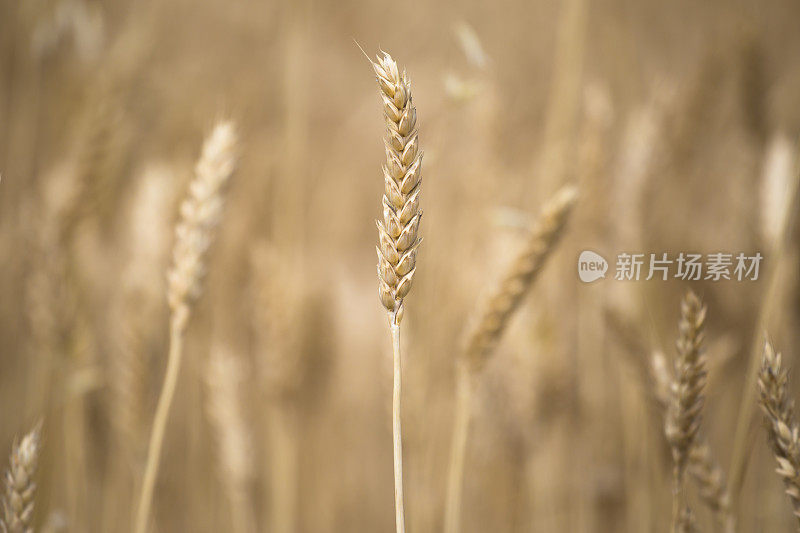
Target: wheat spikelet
397,233
494,314
782,428
20,487
686,400
199,215
686,522
224,377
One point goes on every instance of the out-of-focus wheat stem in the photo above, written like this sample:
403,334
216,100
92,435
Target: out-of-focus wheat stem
177,326
743,436
488,327
283,467
458,449
200,213
224,379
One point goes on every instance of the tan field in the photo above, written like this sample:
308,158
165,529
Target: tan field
193,337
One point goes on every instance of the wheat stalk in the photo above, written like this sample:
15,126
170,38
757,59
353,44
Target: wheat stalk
397,233
281,371
782,428
200,213
488,327
686,400
224,376
701,466
20,487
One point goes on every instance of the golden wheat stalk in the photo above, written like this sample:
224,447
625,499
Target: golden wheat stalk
782,428
225,374
20,487
486,330
200,213
397,232
682,421
656,376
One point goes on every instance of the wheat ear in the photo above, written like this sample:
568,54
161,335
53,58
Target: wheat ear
20,487
784,434
686,395
708,476
200,213
493,315
225,375
487,329
397,233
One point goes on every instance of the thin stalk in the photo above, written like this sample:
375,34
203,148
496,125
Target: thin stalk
283,468
177,326
458,448
744,424
397,433
677,500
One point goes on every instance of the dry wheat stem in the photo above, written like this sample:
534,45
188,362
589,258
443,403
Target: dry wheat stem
701,466
686,401
742,438
494,314
397,433
199,215
782,428
487,329
20,488
397,232
225,375
458,449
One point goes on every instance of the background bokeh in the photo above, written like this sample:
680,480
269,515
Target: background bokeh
678,121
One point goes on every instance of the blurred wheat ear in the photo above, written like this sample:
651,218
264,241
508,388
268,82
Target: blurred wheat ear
200,213
782,428
485,332
686,399
397,233
20,488
657,378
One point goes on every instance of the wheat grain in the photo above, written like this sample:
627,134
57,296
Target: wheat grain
199,215
20,488
782,428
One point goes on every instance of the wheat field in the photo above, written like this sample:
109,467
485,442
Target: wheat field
193,334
